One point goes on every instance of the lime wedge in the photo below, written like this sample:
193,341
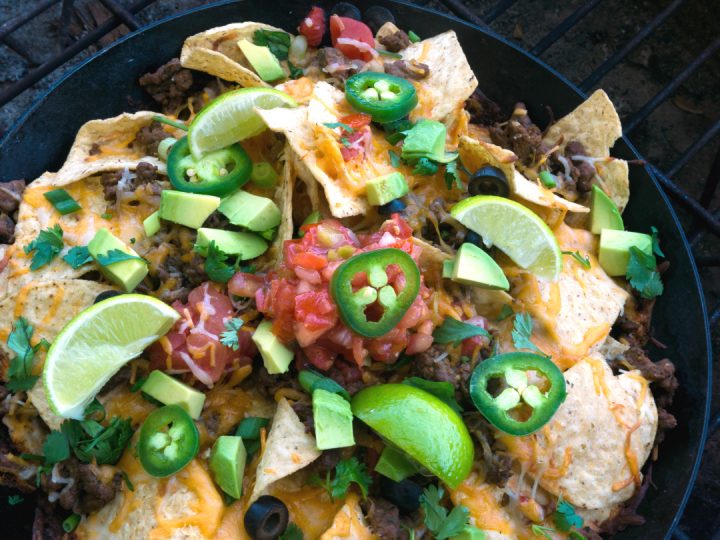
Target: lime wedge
96,344
421,425
514,229
232,118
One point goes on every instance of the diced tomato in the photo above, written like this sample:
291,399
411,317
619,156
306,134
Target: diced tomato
245,285
313,26
356,121
352,147
345,27
311,261
320,357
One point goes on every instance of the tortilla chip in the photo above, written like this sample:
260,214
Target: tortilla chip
216,52
48,307
284,197
113,137
289,448
349,523
596,124
586,427
475,154
451,80
297,125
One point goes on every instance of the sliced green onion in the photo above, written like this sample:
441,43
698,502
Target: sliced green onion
71,523
165,146
298,47
62,201
547,179
414,38
263,175
389,53
169,122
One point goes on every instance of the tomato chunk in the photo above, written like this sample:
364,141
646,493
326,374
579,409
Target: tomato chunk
313,26
347,28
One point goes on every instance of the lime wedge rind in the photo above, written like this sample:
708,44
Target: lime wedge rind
232,117
94,345
515,230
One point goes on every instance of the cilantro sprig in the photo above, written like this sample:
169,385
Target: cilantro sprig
643,275
522,331
278,42
20,377
216,265
347,472
229,337
77,256
579,257
454,331
437,519
45,247
115,256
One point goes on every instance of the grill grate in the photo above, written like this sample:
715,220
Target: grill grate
703,222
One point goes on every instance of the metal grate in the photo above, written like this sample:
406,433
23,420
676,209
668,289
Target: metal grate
703,221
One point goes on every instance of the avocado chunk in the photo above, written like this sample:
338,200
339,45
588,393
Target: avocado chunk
475,267
333,420
395,465
448,267
125,274
615,249
151,224
245,245
470,533
275,355
189,209
604,213
426,139
383,189
227,464
262,61
251,211
169,391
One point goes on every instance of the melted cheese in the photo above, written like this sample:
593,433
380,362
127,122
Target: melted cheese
349,523
483,505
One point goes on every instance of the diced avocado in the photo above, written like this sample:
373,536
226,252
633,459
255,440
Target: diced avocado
151,224
275,355
227,463
245,245
251,211
470,533
604,213
383,189
262,60
333,420
125,274
475,267
189,209
615,249
395,465
169,391
448,267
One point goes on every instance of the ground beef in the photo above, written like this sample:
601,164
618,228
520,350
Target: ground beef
87,493
384,519
498,467
10,474
169,85
149,137
456,372
145,173
346,375
11,195
582,172
520,135
627,516
413,69
328,460
634,323
483,110
109,181
395,41
47,524
187,275
340,67
7,229
305,414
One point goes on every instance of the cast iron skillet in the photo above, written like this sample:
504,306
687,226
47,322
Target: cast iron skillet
106,85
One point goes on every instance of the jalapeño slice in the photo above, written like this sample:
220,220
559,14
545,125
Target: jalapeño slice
384,97
518,404
169,440
216,173
374,309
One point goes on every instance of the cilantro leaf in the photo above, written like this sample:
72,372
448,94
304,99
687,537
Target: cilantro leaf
115,256
505,312
347,471
345,142
277,42
90,440
539,530
643,275
565,517
216,267
522,331
77,256
425,167
583,260
55,448
293,532
394,158
344,127
452,179
295,71
229,337
19,372
656,242
454,331
46,246
444,391
441,524
14,499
